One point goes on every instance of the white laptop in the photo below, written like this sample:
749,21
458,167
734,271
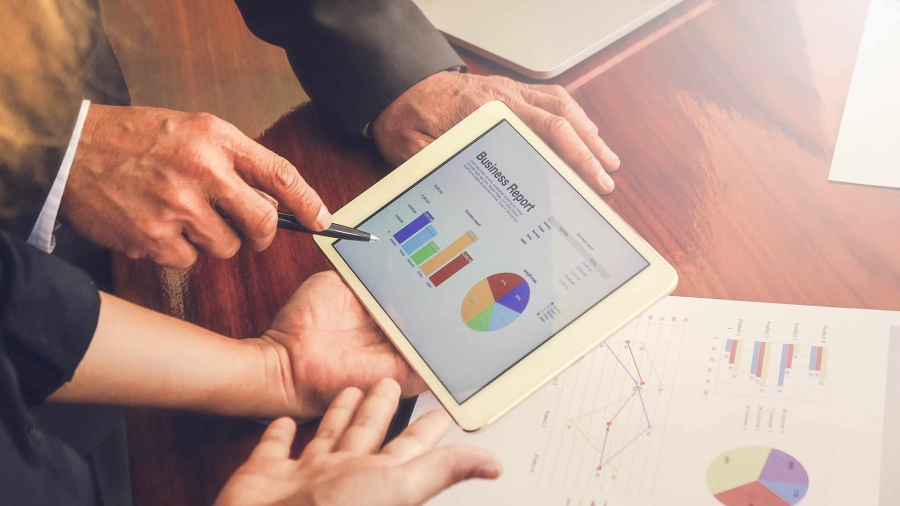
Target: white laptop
539,38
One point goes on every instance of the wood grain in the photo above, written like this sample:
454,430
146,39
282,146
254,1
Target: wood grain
725,117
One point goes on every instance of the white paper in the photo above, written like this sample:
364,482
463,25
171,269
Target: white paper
866,149
675,404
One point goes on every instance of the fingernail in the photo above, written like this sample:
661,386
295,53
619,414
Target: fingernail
606,181
611,156
488,471
323,220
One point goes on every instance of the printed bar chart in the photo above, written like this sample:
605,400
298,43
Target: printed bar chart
450,269
425,253
413,227
791,367
419,240
448,253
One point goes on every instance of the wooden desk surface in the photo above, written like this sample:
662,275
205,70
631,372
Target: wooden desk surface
725,115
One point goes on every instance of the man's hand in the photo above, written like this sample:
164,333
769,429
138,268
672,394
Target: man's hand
343,465
163,184
328,342
433,106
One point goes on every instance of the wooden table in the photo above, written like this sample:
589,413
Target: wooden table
725,115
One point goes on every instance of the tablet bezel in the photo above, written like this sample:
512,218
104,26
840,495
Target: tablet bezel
559,351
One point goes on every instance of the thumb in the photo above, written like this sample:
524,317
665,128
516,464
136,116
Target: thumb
424,477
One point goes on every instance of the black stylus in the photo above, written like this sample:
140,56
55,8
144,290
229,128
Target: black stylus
289,222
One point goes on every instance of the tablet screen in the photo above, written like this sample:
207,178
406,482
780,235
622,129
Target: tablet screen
487,257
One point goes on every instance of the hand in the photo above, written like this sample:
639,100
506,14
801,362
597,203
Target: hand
329,343
163,184
342,464
434,105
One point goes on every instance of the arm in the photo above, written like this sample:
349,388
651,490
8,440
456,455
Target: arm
95,348
353,57
142,358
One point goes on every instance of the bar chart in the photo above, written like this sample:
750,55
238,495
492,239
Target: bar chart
750,366
420,240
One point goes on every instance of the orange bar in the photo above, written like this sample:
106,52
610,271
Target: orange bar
448,253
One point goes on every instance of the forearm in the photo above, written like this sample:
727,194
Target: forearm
141,358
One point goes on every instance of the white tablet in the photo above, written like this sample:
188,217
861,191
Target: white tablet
498,267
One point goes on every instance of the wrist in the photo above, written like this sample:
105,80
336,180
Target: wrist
279,395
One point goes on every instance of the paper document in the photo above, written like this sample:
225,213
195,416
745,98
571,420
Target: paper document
866,149
708,402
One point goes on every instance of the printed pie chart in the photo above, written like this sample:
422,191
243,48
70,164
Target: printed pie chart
757,476
495,302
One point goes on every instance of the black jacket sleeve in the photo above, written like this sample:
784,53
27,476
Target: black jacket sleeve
48,314
352,57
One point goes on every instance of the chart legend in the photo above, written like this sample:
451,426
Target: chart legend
495,302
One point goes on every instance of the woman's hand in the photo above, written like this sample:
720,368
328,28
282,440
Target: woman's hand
327,342
343,465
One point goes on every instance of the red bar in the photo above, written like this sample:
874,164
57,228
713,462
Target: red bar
452,267
759,360
733,351
790,356
819,359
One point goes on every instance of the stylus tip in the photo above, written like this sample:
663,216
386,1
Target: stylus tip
373,238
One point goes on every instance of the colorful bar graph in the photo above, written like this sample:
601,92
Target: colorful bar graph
448,253
733,348
790,357
412,227
812,357
756,362
424,253
737,355
728,345
419,240
450,269
819,359
785,354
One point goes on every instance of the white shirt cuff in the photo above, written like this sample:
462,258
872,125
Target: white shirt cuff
42,234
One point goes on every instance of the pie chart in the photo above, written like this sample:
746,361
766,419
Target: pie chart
495,302
757,476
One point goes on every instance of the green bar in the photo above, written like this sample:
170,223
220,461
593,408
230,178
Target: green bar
424,253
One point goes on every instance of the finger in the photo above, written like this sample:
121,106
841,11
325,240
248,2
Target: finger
559,102
563,138
276,440
177,253
420,437
422,478
253,214
335,422
369,426
274,175
210,234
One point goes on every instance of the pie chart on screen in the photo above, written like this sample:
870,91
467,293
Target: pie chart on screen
757,476
495,302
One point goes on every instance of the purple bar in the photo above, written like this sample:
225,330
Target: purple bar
412,227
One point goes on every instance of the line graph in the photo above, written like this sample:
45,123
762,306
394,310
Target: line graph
602,436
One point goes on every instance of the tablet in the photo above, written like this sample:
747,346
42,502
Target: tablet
497,268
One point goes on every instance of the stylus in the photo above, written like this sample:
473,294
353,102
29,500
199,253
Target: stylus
288,222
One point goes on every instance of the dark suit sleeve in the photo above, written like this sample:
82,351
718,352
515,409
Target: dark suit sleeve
48,314
352,57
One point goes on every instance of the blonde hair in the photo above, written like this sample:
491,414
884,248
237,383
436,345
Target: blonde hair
44,42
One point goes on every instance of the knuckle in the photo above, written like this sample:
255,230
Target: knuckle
263,222
558,126
205,121
585,158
